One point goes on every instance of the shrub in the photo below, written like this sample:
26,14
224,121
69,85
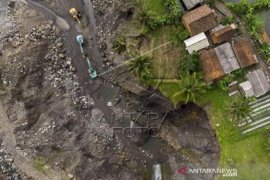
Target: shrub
119,44
190,63
228,20
179,36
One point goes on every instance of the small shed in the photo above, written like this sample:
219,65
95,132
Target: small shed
222,33
189,4
211,66
259,82
245,53
196,43
199,20
227,58
247,89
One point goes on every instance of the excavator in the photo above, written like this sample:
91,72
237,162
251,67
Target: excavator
75,14
92,72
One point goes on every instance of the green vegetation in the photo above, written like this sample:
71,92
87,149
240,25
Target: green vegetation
178,36
237,75
247,11
141,67
150,21
191,87
239,109
265,51
40,164
248,154
267,144
190,63
157,13
119,44
228,20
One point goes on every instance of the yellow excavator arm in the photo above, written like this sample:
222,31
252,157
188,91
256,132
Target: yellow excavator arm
74,13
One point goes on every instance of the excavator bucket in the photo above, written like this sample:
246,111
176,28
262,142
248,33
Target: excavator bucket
80,41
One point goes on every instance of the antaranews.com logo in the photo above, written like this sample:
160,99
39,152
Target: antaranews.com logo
225,172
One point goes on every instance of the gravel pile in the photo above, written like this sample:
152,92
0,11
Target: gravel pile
8,26
58,68
7,166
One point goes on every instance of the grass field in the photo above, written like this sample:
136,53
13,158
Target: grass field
165,56
156,6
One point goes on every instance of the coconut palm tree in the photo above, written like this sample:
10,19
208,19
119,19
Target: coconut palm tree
240,109
141,67
191,87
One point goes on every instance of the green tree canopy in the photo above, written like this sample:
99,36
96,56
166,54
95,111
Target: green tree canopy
141,67
239,109
191,87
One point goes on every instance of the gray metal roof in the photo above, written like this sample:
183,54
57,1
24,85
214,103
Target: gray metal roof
259,82
227,58
192,3
247,88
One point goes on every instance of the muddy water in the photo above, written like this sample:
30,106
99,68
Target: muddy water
265,14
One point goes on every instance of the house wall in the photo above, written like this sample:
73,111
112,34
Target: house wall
198,46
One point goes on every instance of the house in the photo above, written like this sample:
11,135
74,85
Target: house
211,66
259,82
222,33
189,4
227,58
199,20
247,89
245,53
196,43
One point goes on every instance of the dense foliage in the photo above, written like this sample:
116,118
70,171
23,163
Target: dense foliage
239,109
191,87
265,51
152,20
142,67
190,63
179,36
247,11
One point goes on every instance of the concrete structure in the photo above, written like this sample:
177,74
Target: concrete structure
199,20
211,66
196,43
259,82
247,89
227,58
245,53
222,33
189,4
